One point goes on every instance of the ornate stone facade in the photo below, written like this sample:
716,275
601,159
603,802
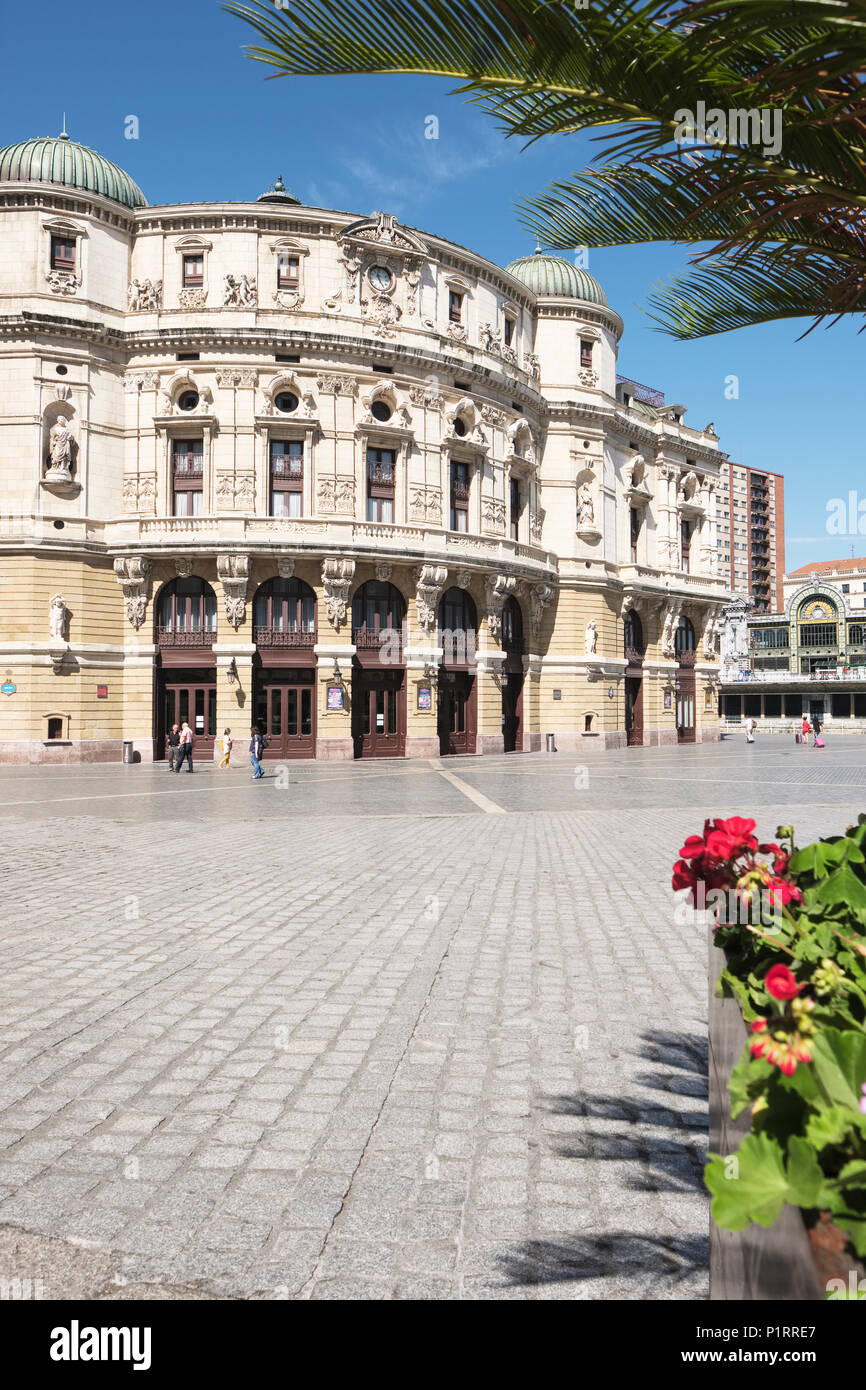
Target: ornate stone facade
259,431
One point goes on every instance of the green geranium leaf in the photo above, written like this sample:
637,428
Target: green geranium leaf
828,1128
749,1186
729,987
843,886
805,1179
853,1175
840,1065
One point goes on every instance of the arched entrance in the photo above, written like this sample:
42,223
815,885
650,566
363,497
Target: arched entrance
684,646
284,675
634,655
378,674
186,629
457,712
512,677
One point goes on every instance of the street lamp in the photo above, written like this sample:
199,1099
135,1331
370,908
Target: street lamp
232,672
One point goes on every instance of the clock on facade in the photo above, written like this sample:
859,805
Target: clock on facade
380,278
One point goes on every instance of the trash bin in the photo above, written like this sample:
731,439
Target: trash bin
127,750
551,745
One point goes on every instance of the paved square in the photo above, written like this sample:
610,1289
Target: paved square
394,1030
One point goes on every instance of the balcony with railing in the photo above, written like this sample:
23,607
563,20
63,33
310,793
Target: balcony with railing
174,637
283,637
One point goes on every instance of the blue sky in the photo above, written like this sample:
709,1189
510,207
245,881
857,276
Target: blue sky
211,128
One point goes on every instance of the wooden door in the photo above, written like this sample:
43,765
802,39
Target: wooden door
457,717
634,711
194,702
686,705
286,715
379,714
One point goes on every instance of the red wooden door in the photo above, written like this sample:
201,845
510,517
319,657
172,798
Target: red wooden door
379,714
194,703
286,715
457,717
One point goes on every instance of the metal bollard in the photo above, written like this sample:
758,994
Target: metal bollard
551,745
127,750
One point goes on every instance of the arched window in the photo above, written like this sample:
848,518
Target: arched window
187,606
684,638
284,605
458,622
512,627
457,612
376,607
633,630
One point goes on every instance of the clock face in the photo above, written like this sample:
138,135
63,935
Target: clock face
380,277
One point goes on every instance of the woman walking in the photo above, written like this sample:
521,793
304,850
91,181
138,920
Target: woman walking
227,748
750,730
816,729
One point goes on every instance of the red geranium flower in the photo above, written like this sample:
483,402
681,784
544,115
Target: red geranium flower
781,983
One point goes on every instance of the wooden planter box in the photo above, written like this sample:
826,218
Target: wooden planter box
762,1262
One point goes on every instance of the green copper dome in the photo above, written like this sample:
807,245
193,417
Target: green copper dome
63,161
553,275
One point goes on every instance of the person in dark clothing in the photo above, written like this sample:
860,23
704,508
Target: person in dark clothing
816,729
185,748
256,750
173,741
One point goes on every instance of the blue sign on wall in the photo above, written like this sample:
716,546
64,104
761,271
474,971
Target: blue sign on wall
7,688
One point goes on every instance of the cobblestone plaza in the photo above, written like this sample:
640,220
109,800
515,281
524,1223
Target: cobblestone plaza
384,1030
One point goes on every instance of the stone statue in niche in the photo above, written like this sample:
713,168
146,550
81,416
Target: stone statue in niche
585,506
635,473
61,446
591,640
57,617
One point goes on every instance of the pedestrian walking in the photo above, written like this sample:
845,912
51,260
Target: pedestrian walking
173,739
227,748
816,730
750,730
185,748
257,747
805,730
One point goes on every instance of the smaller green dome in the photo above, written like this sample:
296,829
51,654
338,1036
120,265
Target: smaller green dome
278,193
61,160
554,275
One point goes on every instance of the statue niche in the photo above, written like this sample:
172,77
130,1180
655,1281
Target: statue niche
59,447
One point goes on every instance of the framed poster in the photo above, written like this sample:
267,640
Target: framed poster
708,698
335,697
425,697
667,699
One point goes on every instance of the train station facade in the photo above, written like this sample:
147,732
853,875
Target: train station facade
333,476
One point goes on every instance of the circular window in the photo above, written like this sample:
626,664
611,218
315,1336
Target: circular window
59,525
286,402
61,370
187,400
380,410
459,427
380,278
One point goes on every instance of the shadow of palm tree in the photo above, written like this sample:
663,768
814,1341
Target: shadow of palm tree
661,1148
614,1255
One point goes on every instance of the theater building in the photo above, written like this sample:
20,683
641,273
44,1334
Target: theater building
333,475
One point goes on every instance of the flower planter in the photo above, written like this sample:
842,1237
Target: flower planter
794,1258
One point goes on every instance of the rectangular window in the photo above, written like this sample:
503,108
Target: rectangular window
586,352
685,543
516,508
63,253
818,635
455,306
459,496
187,476
193,271
287,477
380,485
508,330
634,528
288,276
